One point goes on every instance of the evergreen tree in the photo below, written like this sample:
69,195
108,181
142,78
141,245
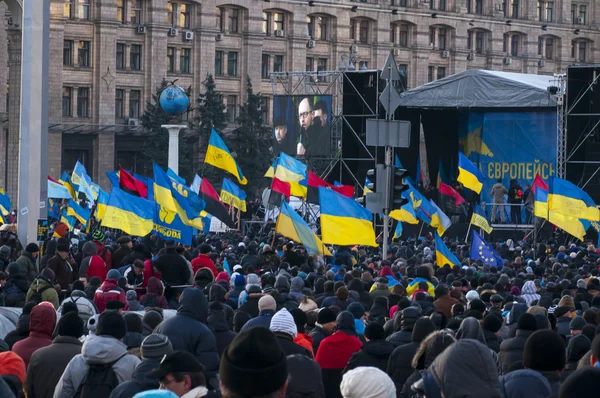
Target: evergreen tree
251,142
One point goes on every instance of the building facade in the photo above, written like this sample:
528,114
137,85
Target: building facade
108,56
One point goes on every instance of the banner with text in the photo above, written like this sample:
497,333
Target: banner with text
169,226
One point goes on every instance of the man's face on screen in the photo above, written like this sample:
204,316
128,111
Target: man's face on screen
323,116
280,133
305,113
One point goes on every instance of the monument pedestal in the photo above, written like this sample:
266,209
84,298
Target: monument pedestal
174,130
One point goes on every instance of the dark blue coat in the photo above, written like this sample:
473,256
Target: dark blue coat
141,380
263,319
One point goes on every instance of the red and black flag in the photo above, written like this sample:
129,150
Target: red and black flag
131,185
314,182
214,205
279,188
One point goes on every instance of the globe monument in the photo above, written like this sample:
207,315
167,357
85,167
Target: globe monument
174,101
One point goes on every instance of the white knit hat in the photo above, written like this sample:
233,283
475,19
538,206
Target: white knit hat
367,382
472,295
283,322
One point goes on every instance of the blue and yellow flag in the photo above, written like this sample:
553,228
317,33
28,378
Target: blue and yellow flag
219,156
406,213
270,173
64,177
101,204
289,169
481,250
291,225
468,174
540,205
479,219
77,211
226,266
423,209
439,219
162,189
573,226
366,190
80,178
53,209
58,191
398,231
68,220
131,214
443,255
567,199
72,189
343,221
4,203
170,226
232,195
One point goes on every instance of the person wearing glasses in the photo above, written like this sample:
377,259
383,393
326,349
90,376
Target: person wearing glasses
314,135
181,373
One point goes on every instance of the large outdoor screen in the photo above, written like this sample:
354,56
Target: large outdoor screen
302,125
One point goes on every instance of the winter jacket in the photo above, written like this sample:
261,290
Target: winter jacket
187,330
20,333
141,380
15,290
403,326
48,364
62,270
375,353
524,383
444,305
578,346
92,264
27,262
492,341
250,260
356,285
217,293
41,325
133,280
304,378
304,340
108,291
296,288
270,259
263,319
223,334
562,326
85,307
106,254
153,297
43,285
173,268
333,356
251,304
120,255
204,261
134,305
511,350
96,350
334,302
318,334
528,292
414,285
498,192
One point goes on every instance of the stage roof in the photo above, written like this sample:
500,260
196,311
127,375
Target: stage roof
476,88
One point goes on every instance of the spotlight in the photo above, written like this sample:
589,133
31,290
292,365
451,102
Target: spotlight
576,31
544,27
394,12
354,8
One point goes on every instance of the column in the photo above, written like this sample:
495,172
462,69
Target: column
74,96
14,111
127,56
173,130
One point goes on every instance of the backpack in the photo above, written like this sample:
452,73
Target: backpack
37,296
100,381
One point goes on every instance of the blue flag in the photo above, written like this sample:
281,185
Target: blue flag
168,225
226,266
481,250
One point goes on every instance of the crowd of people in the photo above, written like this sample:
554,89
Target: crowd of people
115,316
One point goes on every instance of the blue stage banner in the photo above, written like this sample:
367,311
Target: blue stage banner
509,145
169,226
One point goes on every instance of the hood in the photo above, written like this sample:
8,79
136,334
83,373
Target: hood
133,340
217,321
515,312
409,317
387,271
217,293
297,285
109,284
528,288
282,284
193,303
42,319
378,348
204,274
578,346
141,374
356,285
39,283
470,329
524,383
89,249
423,328
102,349
467,360
155,286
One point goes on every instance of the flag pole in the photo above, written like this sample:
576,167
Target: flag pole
421,230
467,236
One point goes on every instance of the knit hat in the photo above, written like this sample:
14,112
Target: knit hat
48,274
62,245
254,363
267,303
357,310
367,382
98,235
71,325
239,280
237,267
577,323
111,323
152,318
374,331
133,322
32,248
156,394
131,295
325,316
155,346
12,364
300,319
283,322
544,351
92,324
5,250
583,383
492,322
526,322
472,295
113,274
581,284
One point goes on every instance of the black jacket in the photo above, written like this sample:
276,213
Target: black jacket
141,380
375,353
15,290
318,334
403,326
187,330
289,347
492,341
119,255
304,378
251,305
223,334
173,268
250,260
511,350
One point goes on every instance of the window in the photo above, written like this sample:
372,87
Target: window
278,21
353,29
545,10
84,9
83,54
278,63
231,108
134,104
541,45
470,39
316,27
549,48
68,53
120,56
438,5
66,102
135,57
232,63
475,6
185,15
68,9
393,33
582,51
432,36
549,11
264,66
321,67
233,19
403,3
136,12
119,95
442,38
441,72
184,60
514,45
218,63
430,74
264,109
170,59
403,35
121,11
170,14
582,15
515,8
265,23
364,31
219,19
479,42
573,12
83,102
310,64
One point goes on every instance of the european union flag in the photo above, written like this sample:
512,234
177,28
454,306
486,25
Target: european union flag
481,250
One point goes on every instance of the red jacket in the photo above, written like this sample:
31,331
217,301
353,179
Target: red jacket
97,268
335,351
204,261
305,340
41,326
105,254
108,291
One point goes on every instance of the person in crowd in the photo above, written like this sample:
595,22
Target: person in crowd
16,286
173,269
22,326
109,291
204,261
267,308
42,289
583,383
102,250
498,192
511,350
515,199
132,301
41,326
375,352
134,273
92,264
304,377
154,295
60,264
544,352
121,256
302,338
285,329
444,302
524,383
219,326
5,254
578,346
367,381
404,322
324,327
28,260
181,373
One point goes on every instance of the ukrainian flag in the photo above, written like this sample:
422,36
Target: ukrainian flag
57,191
69,185
4,203
80,178
423,209
569,200
406,213
162,189
366,190
443,255
101,204
439,219
398,231
573,226
479,219
270,173
64,177
468,174
131,214
291,225
343,221
77,211
289,169
68,220
232,194
219,156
